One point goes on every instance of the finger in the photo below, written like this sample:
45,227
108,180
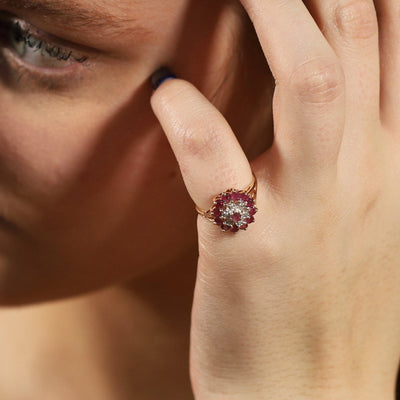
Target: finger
210,157
309,99
351,28
389,32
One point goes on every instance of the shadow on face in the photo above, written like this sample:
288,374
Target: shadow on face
89,187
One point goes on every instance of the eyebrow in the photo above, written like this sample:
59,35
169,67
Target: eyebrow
75,15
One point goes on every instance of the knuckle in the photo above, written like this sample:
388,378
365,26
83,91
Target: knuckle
356,19
318,81
201,140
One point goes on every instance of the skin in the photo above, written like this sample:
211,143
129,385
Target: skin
81,200
305,305
323,253
82,183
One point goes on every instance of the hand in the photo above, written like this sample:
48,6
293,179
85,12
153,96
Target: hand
306,303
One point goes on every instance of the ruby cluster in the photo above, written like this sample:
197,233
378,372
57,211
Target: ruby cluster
233,210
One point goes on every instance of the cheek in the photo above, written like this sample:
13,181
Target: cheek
41,151
43,158
83,183
48,147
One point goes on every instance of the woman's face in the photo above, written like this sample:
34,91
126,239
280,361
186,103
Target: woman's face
90,192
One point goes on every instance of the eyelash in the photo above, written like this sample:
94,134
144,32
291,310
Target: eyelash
22,75
37,44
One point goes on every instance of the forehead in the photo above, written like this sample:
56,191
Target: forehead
121,6
110,16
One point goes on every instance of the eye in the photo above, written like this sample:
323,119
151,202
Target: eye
38,52
31,59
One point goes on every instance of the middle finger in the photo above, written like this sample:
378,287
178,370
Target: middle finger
351,28
309,98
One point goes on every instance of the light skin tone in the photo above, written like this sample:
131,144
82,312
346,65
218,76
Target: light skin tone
94,167
305,304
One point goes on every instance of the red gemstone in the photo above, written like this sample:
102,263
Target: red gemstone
235,196
235,229
217,212
252,211
226,197
244,196
236,217
250,220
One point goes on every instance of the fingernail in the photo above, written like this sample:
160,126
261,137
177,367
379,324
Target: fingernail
160,76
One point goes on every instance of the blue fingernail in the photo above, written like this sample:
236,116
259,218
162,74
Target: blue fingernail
160,76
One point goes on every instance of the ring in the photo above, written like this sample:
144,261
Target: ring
234,209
